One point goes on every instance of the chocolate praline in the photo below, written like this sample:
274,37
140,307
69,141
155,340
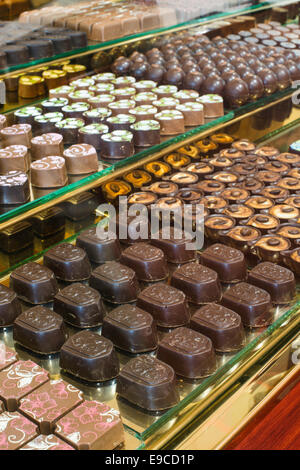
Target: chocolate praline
255,86
174,76
155,72
236,92
269,79
213,85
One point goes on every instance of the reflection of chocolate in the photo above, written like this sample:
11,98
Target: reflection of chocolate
190,353
250,302
277,280
90,357
130,329
223,326
148,383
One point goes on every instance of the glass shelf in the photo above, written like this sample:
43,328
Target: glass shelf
96,47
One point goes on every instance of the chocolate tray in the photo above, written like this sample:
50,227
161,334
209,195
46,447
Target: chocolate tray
139,423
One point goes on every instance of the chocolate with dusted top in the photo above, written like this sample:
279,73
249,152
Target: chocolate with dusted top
80,306
275,279
148,383
90,357
228,262
14,188
34,283
147,261
189,353
200,284
166,304
68,262
116,282
130,329
98,250
41,330
10,307
250,302
222,325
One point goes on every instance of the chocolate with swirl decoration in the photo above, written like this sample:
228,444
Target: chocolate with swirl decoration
14,158
46,145
148,383
41,330
49,172
90,357
81,159
18,134
16,431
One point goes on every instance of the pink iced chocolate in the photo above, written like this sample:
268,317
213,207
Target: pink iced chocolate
46,145
92,426
15,431
49,403
18,134
18,380
50,442
7,356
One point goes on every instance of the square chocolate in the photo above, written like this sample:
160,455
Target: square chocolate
16,431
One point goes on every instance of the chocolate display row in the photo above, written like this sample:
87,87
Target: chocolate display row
104,21
237,70
40,44
26,426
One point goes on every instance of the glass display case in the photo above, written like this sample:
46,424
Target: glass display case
264,361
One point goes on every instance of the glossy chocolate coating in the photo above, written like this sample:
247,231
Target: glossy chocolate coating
48,222
90,357
147,261
116,282
68,262
34,283
275,279
98,250
189,353
228,262
41,330
80,306
130,329
250,302
223,326
200,284
10,307
174,248
148,383
166,304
